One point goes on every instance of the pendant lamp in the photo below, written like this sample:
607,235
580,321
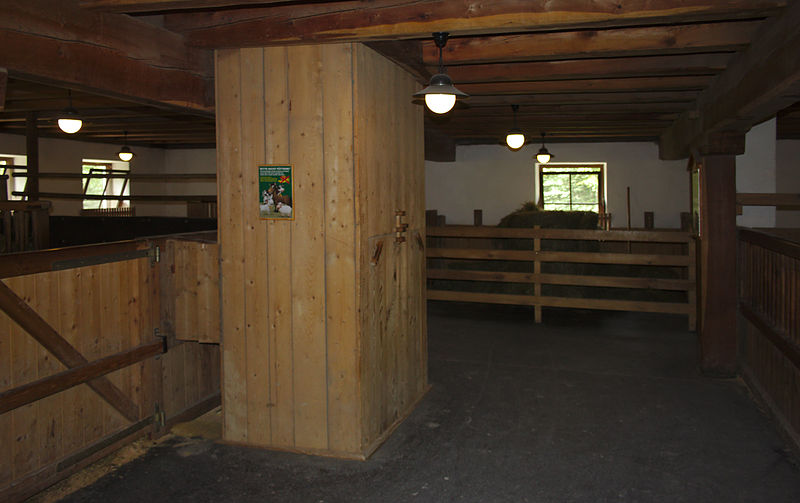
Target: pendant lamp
69,121
440,95
543,156
125,153
515,139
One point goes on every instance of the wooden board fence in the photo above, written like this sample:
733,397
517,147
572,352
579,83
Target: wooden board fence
462,264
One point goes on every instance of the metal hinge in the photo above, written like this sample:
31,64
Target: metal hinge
155,254
159,418
157,334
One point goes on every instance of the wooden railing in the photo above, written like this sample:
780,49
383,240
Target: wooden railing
24,225
79,329
461,255
769,302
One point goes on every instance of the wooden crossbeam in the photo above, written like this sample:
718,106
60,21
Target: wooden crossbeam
417,19
760,82
639,41
31,392
108,54
21,313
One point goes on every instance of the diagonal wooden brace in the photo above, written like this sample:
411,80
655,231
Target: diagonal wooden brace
19,311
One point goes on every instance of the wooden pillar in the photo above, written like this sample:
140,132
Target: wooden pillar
32,151
717,336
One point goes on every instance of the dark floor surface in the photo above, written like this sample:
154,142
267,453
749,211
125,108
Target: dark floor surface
586,407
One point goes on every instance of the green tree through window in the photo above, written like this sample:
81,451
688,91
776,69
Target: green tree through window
570,187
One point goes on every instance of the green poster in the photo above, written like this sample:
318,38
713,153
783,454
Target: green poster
275,192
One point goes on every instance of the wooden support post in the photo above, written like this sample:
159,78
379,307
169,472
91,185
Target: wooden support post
3,87
537,270
717,336
32,151
477,217
21,313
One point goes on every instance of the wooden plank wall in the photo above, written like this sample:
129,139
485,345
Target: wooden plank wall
194,271
390,177
101,310
290,331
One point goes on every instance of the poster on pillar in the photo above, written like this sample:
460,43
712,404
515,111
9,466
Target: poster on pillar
275,192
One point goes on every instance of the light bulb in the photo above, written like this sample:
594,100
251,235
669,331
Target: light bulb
69,125
515,140
125,156
543,158
440,103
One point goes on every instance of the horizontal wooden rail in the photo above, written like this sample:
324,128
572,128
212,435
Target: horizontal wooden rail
22,263
774,243
141,198
569,302
787,348
562,279
23,205
470,231
559,256
789,201
29,393
149,177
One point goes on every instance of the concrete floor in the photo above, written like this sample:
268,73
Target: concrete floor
586,407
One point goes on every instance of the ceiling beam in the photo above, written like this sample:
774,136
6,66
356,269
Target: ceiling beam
165,5
108,54
417,19
646,66
758,84
3,88
640,41
634,84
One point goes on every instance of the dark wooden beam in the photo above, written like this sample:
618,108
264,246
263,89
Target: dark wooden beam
757,85
32,153
439,147
645,66
30,321
417,19
583,98
165,5
31,392
3,88
639,41
717,334
107,54
634,84
405,53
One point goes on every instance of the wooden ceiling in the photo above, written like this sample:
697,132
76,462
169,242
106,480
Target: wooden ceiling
580,70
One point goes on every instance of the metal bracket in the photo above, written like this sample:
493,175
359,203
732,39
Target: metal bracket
159,417
155,254
157,333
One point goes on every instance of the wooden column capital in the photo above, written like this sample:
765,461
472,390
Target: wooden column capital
723,143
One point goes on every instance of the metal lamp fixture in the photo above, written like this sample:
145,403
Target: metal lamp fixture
125,153
543,156
69,121
440,95
515,139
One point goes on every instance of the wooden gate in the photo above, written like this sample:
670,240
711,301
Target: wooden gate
83,367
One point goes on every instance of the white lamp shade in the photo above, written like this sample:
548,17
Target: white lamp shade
69,125
125,156
440,103
543,158
515,140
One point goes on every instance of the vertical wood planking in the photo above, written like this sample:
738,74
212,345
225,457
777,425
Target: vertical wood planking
49,434
340,298
232,280
308,252
6,379
279,248
255,243
23,364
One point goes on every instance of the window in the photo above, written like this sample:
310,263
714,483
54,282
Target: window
13,183
572,187
105,178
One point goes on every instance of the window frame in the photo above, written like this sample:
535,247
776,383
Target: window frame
601,182
109,167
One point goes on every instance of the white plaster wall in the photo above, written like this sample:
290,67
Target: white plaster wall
756,172
61,155
498,181
788,179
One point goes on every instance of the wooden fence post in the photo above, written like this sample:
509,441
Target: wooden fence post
537,270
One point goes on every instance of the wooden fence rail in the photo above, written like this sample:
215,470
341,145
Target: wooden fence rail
769,325
459,253
79,333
